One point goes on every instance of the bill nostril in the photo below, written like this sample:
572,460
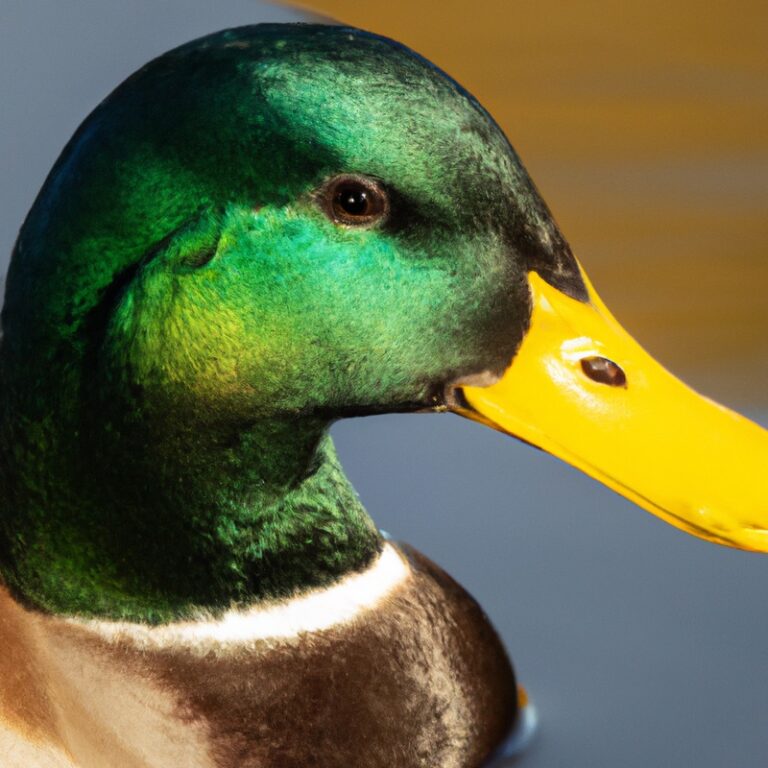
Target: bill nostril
604,371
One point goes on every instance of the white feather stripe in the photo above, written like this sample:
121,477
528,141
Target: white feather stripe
311,612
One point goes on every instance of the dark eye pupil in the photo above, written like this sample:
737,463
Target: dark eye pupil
353,201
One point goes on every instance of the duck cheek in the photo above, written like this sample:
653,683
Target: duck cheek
164,350
492,324
508,323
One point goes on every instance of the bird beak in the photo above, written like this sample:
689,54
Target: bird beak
583,390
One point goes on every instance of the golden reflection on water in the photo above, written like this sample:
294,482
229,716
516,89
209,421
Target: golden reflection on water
645,125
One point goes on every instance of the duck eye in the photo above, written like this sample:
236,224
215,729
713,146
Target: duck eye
354,200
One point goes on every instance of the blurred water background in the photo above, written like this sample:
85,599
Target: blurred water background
644,125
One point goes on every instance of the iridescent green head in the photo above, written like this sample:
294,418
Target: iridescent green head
279,224
183,241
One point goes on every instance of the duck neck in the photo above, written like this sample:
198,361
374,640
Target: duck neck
156,527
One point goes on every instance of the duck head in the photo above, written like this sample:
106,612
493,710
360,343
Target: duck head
277,226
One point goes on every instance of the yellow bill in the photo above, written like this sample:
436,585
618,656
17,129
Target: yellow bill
582,389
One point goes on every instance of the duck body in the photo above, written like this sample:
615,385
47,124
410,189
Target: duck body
396,665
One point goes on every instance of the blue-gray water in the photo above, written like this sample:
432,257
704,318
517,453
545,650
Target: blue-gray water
640,645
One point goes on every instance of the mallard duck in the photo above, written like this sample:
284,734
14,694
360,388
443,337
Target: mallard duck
259,233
